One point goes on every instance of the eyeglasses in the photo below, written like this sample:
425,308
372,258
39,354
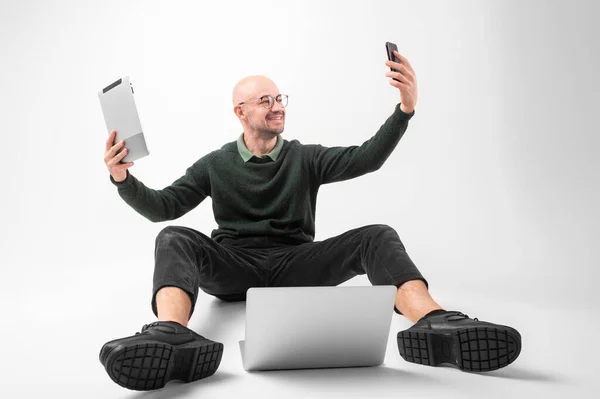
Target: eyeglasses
269,101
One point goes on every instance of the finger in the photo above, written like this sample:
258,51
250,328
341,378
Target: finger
124,166
403,59
393,64
399,85
410,75
397,75
404,72
117,158
115,148
110,154
400,67
120,155
111,139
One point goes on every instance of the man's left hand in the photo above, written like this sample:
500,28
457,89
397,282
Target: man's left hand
407,82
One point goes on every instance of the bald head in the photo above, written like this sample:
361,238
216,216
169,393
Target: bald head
257,119
251,87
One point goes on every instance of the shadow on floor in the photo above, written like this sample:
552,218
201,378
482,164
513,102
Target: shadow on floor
346,377
178,389
518,373
221,317
309,379
225,315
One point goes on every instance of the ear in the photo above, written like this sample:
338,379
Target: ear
238,111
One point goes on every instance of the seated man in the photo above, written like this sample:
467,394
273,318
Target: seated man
264,191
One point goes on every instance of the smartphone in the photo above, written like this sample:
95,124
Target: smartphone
390,48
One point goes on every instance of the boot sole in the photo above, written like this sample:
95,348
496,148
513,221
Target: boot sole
150,365
469,349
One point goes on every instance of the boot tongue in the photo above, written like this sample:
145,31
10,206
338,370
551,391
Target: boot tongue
166,326
459,316
170,327
435,312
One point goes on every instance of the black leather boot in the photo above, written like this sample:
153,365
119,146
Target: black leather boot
451,337
161,352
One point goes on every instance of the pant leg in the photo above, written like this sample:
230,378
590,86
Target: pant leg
374,250
190,260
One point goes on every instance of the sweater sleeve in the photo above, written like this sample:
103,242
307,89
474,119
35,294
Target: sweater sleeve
171,202
335,164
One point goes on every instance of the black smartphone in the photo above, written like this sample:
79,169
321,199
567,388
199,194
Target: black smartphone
390,48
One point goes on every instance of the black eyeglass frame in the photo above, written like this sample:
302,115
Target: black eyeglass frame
279,98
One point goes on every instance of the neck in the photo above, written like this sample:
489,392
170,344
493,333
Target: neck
260,145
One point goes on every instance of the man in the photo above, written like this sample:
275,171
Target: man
264,190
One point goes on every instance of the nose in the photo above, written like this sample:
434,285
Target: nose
277,107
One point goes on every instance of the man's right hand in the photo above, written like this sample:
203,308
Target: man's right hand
113,160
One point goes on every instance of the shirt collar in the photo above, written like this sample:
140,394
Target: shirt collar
247,155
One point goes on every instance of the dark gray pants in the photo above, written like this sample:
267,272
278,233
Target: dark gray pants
190,260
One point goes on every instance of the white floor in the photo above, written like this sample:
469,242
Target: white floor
57,336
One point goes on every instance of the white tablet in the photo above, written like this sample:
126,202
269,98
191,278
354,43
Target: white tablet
120,114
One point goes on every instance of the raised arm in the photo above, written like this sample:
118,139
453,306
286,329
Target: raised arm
342,163
332,164
170,203
156,205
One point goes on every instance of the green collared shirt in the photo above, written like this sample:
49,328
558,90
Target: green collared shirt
247,155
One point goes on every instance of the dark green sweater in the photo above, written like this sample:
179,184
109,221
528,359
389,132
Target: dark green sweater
261,196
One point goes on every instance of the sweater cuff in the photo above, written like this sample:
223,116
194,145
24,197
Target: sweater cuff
123,183
403,114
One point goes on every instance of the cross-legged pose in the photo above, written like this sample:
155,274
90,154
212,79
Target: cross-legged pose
264,191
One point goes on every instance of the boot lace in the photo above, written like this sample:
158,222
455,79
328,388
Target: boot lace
460,316
146,326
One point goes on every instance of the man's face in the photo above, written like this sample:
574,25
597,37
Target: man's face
261,119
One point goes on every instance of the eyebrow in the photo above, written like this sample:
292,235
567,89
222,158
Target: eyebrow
263,95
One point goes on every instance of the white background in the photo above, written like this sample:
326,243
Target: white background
493,189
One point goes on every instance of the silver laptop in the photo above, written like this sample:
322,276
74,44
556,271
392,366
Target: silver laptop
316,327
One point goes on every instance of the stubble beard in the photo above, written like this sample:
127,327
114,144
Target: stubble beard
267,131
